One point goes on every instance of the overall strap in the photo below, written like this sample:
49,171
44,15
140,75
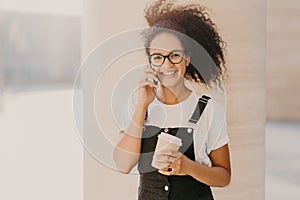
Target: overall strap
199,109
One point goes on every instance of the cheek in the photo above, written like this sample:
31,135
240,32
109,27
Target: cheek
182,69
156,69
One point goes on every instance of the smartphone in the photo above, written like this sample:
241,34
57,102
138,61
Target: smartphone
154,81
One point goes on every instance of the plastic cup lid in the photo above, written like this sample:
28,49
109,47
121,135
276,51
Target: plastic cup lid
170,138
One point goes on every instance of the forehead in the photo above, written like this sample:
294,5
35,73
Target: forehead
165,42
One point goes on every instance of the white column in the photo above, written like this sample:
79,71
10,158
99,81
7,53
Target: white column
242,24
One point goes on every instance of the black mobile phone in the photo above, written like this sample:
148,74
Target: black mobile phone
154,81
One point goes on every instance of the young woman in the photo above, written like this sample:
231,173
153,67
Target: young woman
166,104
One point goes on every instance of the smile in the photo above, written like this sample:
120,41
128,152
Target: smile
170,73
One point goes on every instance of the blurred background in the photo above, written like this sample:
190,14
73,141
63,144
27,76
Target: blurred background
40,53
40,152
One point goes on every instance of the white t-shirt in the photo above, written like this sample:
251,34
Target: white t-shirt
210,132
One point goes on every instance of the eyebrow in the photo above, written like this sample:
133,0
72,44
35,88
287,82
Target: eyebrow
174,50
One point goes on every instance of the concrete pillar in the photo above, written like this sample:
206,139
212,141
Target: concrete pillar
242,24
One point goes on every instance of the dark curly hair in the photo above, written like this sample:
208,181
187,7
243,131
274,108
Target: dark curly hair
192,21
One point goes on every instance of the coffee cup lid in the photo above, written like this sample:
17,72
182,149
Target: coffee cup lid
170,138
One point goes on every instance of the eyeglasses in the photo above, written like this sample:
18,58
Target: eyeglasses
175,57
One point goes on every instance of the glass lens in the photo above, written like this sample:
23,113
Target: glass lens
176,57
157,59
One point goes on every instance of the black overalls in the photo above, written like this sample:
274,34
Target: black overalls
155,186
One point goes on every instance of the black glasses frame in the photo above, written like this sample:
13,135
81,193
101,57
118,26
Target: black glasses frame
166,56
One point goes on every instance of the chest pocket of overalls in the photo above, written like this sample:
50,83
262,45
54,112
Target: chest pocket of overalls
150,139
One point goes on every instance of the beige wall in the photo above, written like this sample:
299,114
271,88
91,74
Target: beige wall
283,64
242,24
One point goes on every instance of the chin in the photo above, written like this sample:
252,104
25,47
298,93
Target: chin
171,84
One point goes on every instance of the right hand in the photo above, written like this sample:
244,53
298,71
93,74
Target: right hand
147,87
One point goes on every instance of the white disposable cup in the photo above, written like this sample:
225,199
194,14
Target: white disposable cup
165,142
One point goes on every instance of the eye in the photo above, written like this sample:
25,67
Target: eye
176,55
156,57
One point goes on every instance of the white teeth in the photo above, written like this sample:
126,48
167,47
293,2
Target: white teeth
169,73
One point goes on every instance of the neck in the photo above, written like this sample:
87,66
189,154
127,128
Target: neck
173,95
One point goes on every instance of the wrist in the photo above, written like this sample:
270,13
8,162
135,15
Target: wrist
142,106
187,166
135,128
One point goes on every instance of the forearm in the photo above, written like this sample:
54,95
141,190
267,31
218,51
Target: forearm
213,176
127,151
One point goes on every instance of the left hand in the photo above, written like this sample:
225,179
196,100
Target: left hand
175,162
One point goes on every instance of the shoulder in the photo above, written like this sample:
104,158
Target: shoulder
214,110
214,103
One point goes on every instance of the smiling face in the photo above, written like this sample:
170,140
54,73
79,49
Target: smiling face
170,74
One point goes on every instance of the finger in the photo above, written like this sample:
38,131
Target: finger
171,169
148,83
161,165
166,172
150,70
167,151
170,153
164,158
151,76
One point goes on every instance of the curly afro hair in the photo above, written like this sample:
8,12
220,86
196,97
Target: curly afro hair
192,21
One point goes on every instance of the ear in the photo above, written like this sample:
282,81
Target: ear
188,58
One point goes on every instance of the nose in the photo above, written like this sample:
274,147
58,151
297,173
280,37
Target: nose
167,63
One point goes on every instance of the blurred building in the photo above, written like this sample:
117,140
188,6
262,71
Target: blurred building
283,71
39,50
